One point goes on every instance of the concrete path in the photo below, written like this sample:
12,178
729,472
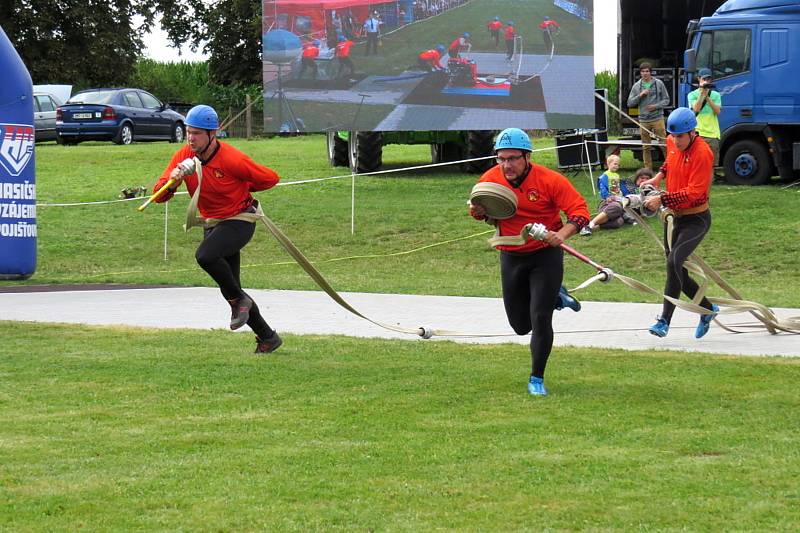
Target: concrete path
598,324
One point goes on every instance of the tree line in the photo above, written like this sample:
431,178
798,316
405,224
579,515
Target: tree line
93,43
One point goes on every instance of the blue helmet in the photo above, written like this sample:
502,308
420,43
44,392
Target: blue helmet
510,23
681,120
340,38
513,139
316,42
441,47
497,18
546,17
203,117
466,35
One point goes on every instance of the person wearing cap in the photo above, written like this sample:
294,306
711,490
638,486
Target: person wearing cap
687,169
229,177
549,28
494,27
343,54
707,104
532,272
308,59
459,45
650,95
372,27
429,59
509,35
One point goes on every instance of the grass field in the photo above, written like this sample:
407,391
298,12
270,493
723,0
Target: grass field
753,240
106,429
118,429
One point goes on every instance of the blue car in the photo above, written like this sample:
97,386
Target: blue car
119,115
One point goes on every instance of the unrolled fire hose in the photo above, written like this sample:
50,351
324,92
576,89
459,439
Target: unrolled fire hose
499,204
192,219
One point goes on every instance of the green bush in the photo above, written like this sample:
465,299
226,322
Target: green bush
189,82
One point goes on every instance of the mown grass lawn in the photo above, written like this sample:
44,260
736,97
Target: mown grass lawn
128,429
752,242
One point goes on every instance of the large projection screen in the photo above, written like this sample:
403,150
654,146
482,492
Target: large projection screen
485,65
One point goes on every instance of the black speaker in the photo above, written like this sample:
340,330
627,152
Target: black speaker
601,110
575,156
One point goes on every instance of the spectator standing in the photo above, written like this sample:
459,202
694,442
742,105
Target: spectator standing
707,104
372,27
650,95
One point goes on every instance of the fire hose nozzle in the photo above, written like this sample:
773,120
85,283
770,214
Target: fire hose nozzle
608,275
424,332
538,231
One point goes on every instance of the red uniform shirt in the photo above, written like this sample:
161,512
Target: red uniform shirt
432,56
228,179
495,25
311,51
541,197
343,48
548,24
688,174
509,33
457,44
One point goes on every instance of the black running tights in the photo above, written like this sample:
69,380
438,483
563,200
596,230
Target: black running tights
219,255
530,288
688,231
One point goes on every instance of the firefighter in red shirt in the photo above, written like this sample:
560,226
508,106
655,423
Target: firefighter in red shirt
549,29
688,169
429,59
532,273
228,179
460,44
343,53
494,30
509,37
309,59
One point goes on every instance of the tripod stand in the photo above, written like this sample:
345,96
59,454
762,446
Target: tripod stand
292,124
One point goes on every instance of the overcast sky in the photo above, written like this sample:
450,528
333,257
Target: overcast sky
605,40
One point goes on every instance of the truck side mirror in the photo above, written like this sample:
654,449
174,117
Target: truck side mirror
690,60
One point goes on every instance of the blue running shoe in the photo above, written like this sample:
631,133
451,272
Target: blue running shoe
536,387
705,322
660,328
565,299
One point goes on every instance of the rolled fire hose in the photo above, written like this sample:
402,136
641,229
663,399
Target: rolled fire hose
499,202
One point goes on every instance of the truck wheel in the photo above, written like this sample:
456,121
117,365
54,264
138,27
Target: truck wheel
337,150
747,162
365,150
480,143
446,152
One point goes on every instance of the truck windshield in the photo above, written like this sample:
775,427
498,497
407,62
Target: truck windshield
725,52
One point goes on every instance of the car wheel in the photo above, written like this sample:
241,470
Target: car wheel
125,135
177,133
66,141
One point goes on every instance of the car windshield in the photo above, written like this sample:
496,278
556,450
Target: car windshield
92,97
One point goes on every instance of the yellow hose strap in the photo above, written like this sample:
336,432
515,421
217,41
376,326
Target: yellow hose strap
514,240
